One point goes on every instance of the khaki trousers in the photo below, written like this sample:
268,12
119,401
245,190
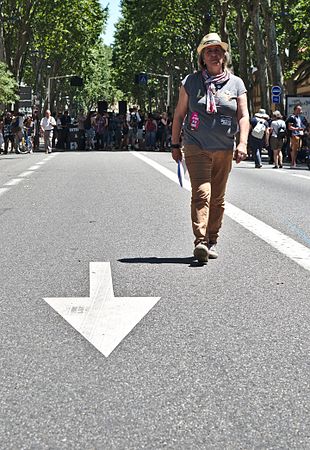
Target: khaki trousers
208,172
48,136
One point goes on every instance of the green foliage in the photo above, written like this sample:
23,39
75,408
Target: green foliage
51,38
8,86
300,13
48,38
98,78
158,36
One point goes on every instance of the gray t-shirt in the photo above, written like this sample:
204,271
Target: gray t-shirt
276,125
212,131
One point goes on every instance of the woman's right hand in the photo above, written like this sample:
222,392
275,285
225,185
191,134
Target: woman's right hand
176,154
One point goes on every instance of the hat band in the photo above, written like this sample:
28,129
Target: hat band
212,42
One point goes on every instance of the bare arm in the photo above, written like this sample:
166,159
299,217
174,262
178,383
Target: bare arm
292,128
179,115
244,126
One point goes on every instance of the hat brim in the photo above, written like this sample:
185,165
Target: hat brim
223,45
262,116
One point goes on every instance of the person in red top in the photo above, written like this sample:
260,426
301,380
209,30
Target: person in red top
150,132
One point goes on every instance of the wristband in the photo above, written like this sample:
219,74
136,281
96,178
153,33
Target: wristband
175,146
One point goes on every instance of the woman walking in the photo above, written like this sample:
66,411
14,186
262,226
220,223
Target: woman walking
213,103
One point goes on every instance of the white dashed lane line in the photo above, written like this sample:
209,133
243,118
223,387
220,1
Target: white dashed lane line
13,182
36,167
25,174
3,190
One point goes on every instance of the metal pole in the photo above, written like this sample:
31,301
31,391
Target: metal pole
168,92
49,94
168,87
49,87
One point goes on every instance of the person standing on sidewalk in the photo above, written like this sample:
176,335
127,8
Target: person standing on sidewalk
47,126
296,124
213,103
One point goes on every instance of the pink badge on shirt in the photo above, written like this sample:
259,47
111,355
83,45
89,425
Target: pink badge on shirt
194,121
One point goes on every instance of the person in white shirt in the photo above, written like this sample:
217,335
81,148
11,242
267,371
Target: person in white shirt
47,126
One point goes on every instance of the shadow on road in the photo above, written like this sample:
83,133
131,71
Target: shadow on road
154,260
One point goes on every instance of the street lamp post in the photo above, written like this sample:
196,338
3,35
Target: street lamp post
49,87
168,87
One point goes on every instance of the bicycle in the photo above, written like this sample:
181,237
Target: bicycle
24,142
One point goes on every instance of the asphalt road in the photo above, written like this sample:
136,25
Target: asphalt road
220,362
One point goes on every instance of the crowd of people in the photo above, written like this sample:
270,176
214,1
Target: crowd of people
284,138
87,131
275,134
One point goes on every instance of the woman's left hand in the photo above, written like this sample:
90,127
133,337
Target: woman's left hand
176,154
240,153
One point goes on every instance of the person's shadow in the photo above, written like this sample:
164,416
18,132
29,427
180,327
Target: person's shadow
190,261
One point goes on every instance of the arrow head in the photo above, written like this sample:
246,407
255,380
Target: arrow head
103,319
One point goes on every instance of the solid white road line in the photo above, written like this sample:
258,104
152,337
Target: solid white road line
286,172
300,176
284,244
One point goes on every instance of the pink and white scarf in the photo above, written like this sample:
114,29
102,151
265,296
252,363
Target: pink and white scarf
210,83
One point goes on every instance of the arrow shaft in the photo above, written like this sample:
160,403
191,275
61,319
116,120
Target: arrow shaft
100,291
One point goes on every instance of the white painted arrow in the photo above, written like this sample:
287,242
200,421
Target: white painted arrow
104,320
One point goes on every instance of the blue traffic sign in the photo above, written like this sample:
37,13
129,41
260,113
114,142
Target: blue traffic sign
276,90
142,78
276,98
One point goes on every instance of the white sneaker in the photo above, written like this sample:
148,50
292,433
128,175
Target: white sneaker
201,252
212,251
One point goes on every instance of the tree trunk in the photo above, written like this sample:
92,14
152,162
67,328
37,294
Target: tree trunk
2,47
260,54
222,9
274,61
242,27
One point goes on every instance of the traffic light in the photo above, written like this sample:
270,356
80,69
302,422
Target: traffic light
76,81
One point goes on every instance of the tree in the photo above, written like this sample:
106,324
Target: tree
158,36
8,86
98,78
44,38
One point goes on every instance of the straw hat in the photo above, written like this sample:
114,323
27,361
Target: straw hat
210,40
